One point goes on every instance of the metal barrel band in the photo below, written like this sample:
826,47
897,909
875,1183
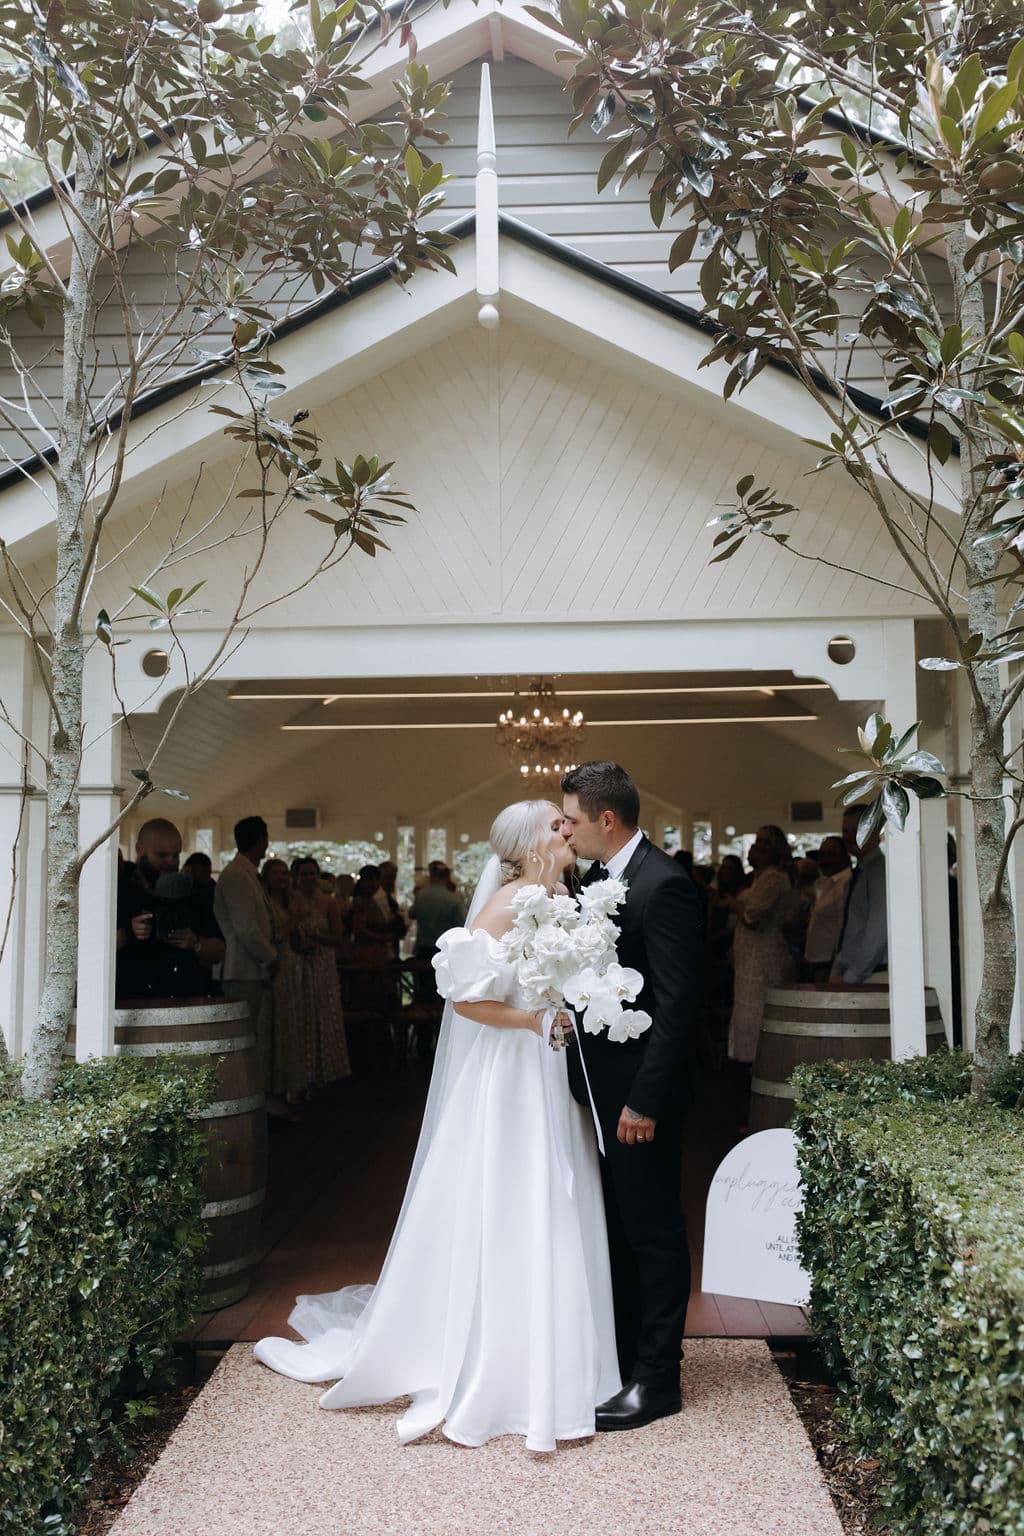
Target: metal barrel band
230,1266
233,1107
191,1047
772,1090
233,1207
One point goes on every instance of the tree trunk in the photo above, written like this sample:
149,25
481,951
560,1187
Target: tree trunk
63,866
999,960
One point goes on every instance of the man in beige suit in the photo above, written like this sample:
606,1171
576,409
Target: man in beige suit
243,912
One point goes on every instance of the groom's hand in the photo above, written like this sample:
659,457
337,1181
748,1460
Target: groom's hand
634,1128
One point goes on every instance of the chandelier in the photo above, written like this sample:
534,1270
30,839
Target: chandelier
539,737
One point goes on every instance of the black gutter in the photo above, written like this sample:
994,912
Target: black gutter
365,282
696,319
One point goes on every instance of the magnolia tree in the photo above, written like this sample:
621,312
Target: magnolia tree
819,244
237,168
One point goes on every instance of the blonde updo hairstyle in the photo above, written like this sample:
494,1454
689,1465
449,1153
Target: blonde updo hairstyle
516,832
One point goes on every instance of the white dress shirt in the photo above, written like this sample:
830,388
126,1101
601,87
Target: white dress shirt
617,864
243,912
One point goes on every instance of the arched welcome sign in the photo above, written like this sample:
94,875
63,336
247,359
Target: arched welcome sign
750,1228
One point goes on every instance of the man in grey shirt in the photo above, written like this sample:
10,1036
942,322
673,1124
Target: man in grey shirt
864,945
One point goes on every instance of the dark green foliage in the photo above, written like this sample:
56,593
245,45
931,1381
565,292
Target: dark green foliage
1007,1085
912,1232
100,1236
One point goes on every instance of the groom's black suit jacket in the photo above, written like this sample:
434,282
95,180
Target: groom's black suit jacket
660,936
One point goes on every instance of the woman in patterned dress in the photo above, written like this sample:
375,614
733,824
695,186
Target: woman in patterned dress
288,1050
318,938
761,956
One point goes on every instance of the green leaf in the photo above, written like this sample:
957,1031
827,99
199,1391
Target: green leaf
940,441
926,789
997,105
682,247
895,806
921,762
611,163
870,821
938,664
413,166
149,596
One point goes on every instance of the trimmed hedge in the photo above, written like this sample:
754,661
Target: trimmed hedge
913,1233
100,1193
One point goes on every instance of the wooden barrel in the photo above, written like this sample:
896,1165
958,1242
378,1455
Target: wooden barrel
807,1023
235,1122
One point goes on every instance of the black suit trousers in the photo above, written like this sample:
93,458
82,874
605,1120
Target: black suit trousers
650,1256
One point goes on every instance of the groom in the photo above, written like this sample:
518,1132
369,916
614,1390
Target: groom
640,1089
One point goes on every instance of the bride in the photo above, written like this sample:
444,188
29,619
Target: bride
493,1310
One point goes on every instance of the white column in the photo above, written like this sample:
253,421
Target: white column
22,776
936,736
100,804
904,899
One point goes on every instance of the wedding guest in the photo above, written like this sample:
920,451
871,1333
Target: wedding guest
864,941
738,876
318,937
371,988
288,1051
721,926
243,912
387,901
806,876
761,955
167,938
200,867
435,909
826,919
344,885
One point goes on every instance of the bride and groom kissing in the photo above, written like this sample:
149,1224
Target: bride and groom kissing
532,1285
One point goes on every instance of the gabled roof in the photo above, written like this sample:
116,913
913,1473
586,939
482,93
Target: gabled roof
544,283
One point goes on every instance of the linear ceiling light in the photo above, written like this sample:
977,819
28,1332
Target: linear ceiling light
484,725
590,693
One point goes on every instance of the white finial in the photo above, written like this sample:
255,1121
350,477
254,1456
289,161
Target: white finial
488,283
486,149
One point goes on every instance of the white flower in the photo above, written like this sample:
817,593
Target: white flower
603,1012
630,1023
579,988
564,911
627,983
592,946
603,897
531,901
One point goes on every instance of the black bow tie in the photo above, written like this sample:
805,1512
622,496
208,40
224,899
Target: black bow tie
596,872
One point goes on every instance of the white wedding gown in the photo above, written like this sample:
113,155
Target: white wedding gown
493,1311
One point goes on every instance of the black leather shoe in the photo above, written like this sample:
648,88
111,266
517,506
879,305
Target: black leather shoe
638,1403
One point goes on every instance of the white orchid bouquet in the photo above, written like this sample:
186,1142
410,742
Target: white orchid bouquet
564,955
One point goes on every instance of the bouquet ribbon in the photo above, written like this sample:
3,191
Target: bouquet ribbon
561,1152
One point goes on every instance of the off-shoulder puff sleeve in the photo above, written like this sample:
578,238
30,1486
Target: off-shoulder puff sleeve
470,967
